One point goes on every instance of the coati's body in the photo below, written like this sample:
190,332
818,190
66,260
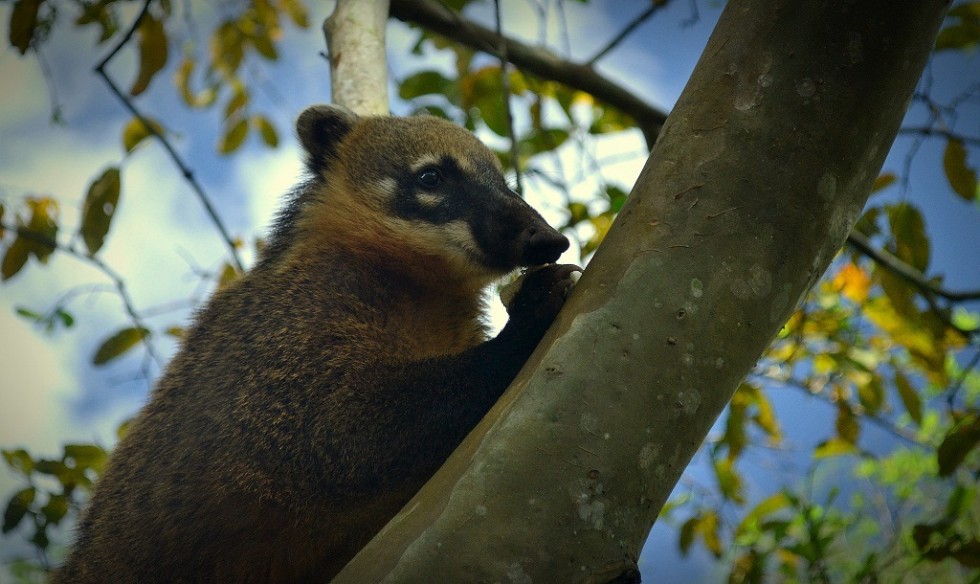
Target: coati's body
315,395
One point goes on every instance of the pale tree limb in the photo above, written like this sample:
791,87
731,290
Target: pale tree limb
355,35
443,20
752,187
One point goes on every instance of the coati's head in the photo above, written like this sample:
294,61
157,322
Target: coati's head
417,189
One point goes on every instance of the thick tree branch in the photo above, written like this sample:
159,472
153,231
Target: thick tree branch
185,170
896,266
355,36
442,20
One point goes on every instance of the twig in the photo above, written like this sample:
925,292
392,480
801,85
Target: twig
955,388
444,21
905,271
110,273
626,31
187,173
930,131
505,86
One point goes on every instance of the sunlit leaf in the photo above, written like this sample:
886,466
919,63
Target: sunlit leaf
853,282
846,424
834,447
910,398
17,508
233,137
884,180
86,455
606,119
729,480
237,101
227,48
136,131
266,130
118,344
153,52
297,12
957,444
766,507
962,178
23,21
98,209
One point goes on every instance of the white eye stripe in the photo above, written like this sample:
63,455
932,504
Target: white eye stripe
428,199
424,161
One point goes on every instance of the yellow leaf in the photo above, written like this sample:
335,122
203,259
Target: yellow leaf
227,48
153,52
15,258
884,180
234,137
296,12
846,424
266,130
136,131
834,447
853,282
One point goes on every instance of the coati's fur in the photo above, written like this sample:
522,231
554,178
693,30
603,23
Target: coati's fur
315,395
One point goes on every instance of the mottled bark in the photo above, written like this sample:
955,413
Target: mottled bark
756,180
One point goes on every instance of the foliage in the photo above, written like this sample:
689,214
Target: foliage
879,343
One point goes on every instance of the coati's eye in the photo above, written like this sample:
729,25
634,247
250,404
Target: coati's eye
429,178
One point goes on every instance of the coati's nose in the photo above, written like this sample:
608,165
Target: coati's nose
543,245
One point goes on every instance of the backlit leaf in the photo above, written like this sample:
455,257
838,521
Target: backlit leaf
118,344
765,507
846,424
909,233
910,398
266,130
237,101
961,177
23,21
55,509
853,282
233,137
729,480
15,258
227,48
99,208
153,52
182,78
136,131
884,179
44,223
85,455
957,444
426,83
297,12
19,460
834,447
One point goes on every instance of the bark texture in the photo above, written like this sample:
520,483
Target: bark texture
757,178
355,35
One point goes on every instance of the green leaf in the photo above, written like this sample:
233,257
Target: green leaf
957,444
15,258
233,137
23,22
55,509
237,101
29,314
909,233
19,460
266,130
98,209
910,398
118,344
426,83
153,52
729,481
17,508
85,455
136,131
963,36
765,507
67,320
227,48
846,424
962,178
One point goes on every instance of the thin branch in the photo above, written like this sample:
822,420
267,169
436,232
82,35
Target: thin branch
929,131
505,86
958,384
108,271
626,32
187,173
907,272
444,21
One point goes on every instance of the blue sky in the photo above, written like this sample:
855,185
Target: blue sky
49,394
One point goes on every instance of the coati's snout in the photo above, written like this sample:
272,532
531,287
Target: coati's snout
543,245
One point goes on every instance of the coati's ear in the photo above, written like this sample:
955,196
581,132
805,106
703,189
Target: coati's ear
320,129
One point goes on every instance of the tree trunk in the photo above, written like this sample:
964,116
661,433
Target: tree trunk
758,176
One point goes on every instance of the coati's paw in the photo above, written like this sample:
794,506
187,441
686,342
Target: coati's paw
540,292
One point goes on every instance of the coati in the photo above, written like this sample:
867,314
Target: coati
316,394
